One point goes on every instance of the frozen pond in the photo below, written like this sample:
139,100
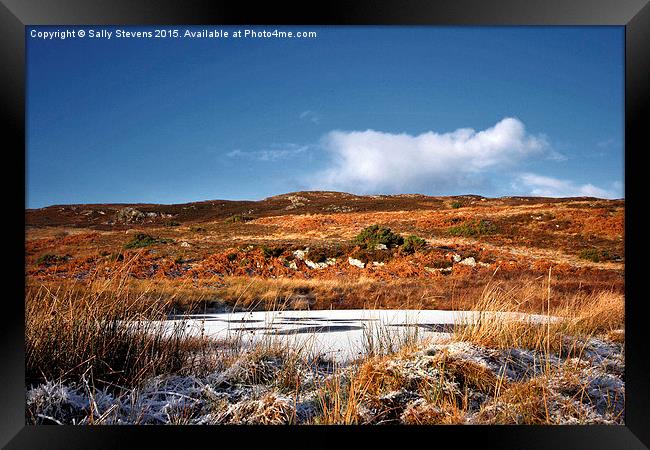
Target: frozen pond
340,334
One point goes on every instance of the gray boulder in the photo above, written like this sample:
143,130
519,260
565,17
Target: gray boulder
129,215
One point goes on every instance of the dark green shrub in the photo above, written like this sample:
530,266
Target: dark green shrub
473,228
442,264
50,260
272,252
374,235
231,256
172,223
595,255
486,227
456,204
412,244
463,230
238,218
144,240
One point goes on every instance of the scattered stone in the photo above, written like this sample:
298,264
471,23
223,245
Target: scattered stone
378,264
436,269
341,209
129,215
356,263
381,247
296,201
320,265
457,257
314,265
185,244
299,254
468,261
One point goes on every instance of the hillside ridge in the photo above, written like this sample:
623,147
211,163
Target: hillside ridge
107,215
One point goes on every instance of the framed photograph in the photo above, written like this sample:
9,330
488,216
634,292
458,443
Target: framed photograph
332,218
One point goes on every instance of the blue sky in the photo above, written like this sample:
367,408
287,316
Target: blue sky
435,110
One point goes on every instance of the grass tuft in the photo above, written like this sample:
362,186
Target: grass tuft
101,331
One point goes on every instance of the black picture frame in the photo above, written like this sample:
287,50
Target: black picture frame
634,15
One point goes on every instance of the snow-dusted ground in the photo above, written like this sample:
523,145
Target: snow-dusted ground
585,390
274,387
338,334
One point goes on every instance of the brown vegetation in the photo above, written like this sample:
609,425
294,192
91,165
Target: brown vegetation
99,279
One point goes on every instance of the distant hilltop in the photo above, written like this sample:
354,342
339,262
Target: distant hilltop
115,215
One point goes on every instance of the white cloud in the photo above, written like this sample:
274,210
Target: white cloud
273,154
543,186
310,116
367,161
606,143
557,156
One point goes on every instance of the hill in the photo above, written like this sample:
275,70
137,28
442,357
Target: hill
307,238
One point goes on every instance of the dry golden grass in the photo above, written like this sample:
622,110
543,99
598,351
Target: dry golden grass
427,413
533,400
521,291
267,410
102,332
525,403
339,399
580,315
